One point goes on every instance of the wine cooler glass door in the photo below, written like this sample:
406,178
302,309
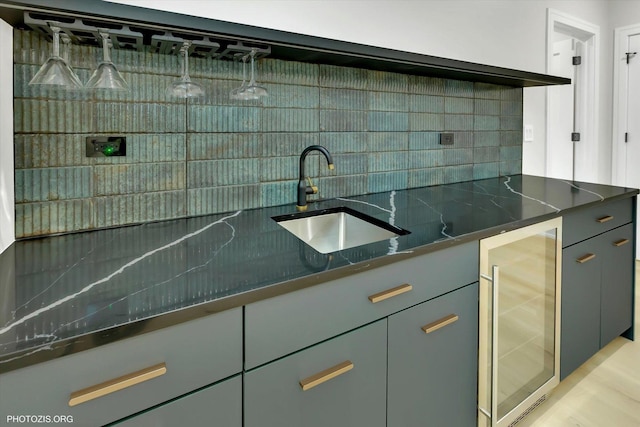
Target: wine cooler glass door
519,321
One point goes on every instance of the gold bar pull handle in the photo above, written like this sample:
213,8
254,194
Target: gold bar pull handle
585,258
434,326
381,296
108,387
604,219
321,377
621,242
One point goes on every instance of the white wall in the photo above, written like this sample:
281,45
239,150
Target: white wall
7,209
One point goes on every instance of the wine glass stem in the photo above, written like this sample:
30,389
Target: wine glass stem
105,47
56,41
253,77
185,66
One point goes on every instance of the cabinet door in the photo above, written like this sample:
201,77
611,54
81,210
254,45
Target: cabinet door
274,396
580,328
433,376
219,404
616,312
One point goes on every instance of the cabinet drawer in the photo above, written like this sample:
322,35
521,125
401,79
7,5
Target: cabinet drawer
274,396
195,354
221,402
581,225
287,323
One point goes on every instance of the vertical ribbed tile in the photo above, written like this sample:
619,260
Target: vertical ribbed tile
289,96
422,159
48,184
223,119
424,140
137,208
386,101
343,77
486,170
426,104
202,201
344,99
282,168
289,120
487,90
426,85
459,122
215,173
41,116
210,146
458,105
486,154
511,123
387,181
463,140
426,177
388,121
36,219
457,156
510,138
344,142
343,121
50,150
511,108
510,153
350,164
342,186
389,161
382,81
286,144
511,94
288,72
511,167
387,141
486,123
138,178
278,193
487,107
426,122
458,88
486,139
457,173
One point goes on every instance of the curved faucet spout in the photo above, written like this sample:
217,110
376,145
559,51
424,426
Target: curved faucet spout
303,189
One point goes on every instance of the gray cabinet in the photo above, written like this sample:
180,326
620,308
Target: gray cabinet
433,357
597,294
152,368
216,405
340,382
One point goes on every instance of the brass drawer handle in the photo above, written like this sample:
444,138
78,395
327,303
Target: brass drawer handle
99,390
381,296
441,323
604,219
585,258
317,379
621,242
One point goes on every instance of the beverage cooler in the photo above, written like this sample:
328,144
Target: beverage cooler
519,342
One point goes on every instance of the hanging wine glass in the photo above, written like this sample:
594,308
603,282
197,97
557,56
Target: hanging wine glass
253,88
239,93
66,55
107,76
185,88
55,71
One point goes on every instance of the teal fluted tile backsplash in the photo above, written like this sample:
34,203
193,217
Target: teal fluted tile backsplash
214,154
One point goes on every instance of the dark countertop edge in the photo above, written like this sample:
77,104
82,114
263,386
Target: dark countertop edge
292,46
96,339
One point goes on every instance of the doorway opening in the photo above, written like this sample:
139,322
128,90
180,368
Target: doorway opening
572,127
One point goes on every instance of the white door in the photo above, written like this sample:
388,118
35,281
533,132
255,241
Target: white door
560,147
632,159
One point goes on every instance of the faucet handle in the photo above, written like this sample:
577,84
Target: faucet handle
311,189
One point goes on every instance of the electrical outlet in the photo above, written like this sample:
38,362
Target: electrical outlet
446,138
106,146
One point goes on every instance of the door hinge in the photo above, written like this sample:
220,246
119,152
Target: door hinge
576,60
630,55
626,137
575,136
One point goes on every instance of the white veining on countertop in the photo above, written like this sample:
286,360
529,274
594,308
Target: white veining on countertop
365,203
115,273
493,200
444,224
584,189
393,242
506,184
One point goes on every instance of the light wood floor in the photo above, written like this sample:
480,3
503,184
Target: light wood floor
604,392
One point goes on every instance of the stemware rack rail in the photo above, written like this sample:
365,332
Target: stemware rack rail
142,38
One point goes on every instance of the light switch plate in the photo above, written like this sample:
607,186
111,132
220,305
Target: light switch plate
528,133
446,138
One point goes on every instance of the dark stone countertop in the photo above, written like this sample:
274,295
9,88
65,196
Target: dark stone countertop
64,294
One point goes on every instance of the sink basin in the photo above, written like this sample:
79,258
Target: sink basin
330,230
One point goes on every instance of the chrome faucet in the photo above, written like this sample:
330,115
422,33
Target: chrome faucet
303,189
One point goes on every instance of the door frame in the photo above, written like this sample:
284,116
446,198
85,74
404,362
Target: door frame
620,96
587,168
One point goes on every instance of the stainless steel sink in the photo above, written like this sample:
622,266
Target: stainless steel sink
330,230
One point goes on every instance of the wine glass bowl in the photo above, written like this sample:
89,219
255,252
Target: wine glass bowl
184,87
56,71
252,90
107,76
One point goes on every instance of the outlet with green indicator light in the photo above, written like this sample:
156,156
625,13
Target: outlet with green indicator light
106,146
